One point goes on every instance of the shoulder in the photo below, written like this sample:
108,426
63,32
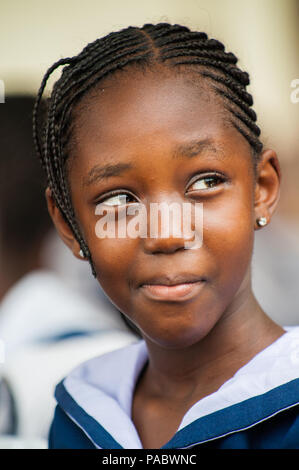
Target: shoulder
280,431
94,400
65,434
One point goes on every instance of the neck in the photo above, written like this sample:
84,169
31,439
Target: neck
243,331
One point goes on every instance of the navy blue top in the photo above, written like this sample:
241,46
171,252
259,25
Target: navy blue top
267,421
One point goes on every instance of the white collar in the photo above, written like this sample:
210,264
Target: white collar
103,387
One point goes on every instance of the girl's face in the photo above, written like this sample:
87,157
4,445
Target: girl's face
166,135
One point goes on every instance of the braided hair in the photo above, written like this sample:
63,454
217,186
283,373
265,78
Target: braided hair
163,43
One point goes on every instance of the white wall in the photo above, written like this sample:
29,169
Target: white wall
264,34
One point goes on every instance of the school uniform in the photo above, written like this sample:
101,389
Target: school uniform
255,409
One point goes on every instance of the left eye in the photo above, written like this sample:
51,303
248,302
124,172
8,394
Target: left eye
206,182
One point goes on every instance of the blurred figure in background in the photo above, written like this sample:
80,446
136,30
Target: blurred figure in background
275,272
46,326
24,218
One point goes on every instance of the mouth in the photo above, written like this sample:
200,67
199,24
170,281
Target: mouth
178,288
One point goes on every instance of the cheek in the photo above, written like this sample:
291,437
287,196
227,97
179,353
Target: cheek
228,236
114,261
111,253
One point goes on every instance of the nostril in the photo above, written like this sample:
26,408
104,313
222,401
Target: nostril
164,245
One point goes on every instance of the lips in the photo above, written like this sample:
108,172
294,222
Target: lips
172,280
175,288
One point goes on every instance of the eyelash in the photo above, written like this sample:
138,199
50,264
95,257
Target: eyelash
211,176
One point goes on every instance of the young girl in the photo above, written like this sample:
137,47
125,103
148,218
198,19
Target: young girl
161,114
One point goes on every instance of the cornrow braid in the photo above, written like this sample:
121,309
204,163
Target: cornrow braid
163,43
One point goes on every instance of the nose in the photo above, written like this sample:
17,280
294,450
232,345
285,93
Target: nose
167,230
164,245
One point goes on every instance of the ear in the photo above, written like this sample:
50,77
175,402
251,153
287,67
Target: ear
62,227
267,188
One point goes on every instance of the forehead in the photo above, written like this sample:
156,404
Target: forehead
138,115
132,105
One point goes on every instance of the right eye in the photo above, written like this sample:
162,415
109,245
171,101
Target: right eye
116,199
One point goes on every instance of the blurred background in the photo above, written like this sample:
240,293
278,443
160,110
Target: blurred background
53,314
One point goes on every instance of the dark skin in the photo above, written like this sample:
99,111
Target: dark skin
196,345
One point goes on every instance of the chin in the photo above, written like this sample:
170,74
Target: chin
177,338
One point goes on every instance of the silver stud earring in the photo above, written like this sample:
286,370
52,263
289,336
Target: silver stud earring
81,254
261,221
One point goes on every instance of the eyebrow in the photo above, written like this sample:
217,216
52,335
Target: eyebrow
195,147
98,173
186,150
